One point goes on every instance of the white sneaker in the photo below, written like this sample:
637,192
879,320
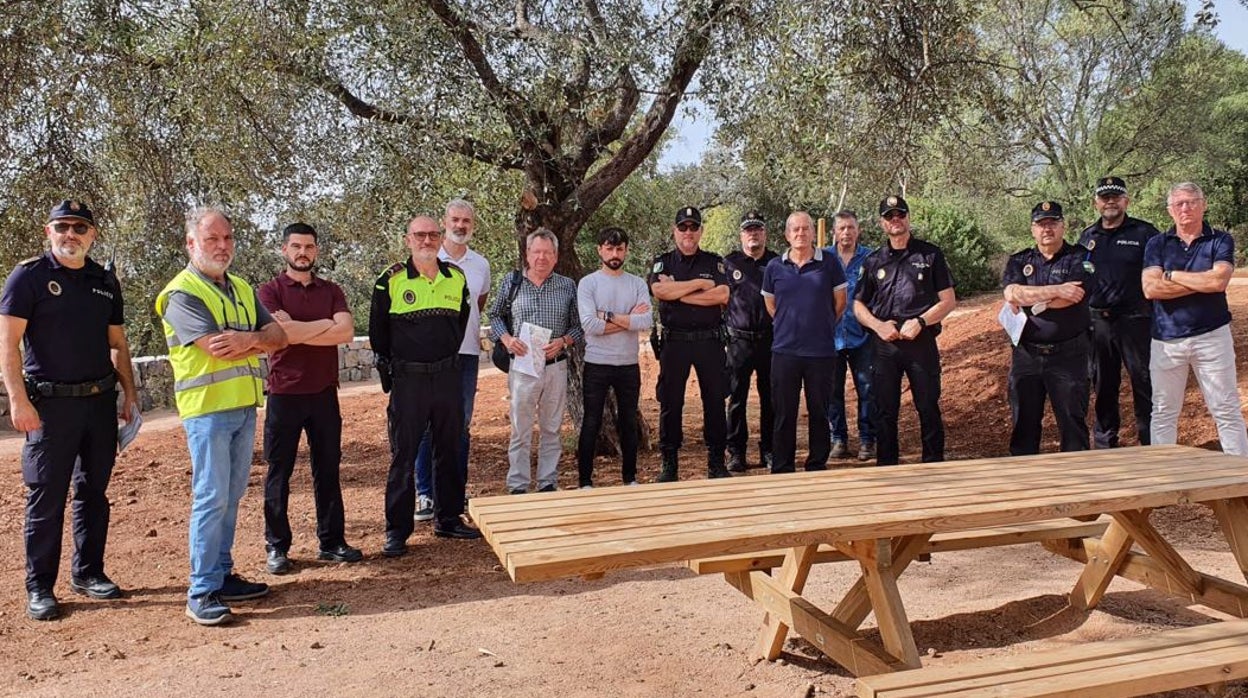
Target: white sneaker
424,508
634,483
587,487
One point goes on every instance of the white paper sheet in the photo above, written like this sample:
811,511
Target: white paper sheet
534,362
1013,320
128,431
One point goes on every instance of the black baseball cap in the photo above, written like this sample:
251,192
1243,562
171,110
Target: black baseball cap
689,214
752,219
893,203
1110,185
71,208
1046,209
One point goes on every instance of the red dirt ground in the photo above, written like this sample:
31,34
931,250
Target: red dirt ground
446,621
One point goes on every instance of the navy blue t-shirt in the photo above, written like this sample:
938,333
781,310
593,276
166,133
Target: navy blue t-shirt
1196,313
1030,268
68,312
1118,255
805,322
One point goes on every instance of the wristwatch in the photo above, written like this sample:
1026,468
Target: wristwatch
921,321
1167,275
610,315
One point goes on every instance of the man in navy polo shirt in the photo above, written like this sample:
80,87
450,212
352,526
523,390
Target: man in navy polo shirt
303,397
1121,315
1186,272
805,294
1048,282
905,291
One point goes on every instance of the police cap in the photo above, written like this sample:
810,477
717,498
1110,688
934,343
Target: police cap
71,208
752,219
689,214
893,203
1111,186
1046,209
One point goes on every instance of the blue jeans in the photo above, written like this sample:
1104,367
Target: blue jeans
470,365
220,444
858,361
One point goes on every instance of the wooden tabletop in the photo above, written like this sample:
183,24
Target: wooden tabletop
584,532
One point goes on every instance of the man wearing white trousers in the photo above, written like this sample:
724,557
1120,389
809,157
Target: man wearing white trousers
547,300
1186,272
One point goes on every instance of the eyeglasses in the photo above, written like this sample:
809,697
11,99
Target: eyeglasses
689,227
894,215
1185,203
64,228
425,234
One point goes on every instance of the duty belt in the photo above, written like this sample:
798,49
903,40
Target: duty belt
1114,313
87,389
749,336
691,336
408,367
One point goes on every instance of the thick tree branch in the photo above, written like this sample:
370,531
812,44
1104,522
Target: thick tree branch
462,29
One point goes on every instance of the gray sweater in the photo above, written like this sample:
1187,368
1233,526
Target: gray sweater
617,294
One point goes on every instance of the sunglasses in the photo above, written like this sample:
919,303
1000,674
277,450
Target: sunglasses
894,215
688,227
63,228
425,235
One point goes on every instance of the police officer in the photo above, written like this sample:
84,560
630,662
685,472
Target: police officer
691,287
1048,282
905,291
749,341
65,310
416,324
1121,316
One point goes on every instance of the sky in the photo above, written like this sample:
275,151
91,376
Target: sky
693,131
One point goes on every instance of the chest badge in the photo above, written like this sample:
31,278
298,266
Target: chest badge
1089,267
54,288
658,266
1028,270
1091,245
920,276
409,297
736,274
880,274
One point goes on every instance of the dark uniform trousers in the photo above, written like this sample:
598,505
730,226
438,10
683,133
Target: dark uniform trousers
706,356
1117,341
788,375
749,356
420,401
77,443
285,420
1060,372
596,379
919,360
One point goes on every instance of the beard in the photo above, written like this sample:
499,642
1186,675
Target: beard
296,266
210,265
614,263
459,237
71,250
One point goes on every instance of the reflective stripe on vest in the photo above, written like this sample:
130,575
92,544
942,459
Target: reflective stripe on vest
204,384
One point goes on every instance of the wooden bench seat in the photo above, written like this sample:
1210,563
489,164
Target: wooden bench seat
1204,655
1034,532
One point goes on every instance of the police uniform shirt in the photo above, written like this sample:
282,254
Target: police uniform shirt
420,335
1118,257
1195,313
1030,268
68,313
902,284
746,309
701,265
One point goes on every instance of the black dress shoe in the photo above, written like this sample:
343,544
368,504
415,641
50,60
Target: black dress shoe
278,562
340,553
96,586
41,605
456,529
394,547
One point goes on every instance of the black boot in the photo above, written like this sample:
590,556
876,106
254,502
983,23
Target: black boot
715,465
736,462
670,464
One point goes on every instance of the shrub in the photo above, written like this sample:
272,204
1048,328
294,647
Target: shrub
967,245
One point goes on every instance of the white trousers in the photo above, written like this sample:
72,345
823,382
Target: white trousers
541,400
1211,356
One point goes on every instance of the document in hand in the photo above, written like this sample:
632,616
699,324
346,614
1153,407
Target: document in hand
1013,320
535,337
126,432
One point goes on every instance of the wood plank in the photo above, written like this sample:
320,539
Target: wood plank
1142,532
792,578
1232,516
1119,663
1219,594
876,560
856,604
857,654
1102,565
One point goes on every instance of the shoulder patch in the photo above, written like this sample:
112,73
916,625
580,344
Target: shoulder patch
394,269
29,261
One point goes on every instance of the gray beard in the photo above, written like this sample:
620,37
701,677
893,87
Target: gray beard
459,238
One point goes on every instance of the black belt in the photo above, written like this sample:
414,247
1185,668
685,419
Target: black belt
749,336
408,367
1051,348
557,359
1112,313
87,389
690,336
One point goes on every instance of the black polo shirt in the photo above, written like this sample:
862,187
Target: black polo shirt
684,317
1196,313
68,313
1030,268
1118,256
746,309
902,284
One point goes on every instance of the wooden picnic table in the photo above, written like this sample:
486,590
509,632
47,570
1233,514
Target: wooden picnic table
882,518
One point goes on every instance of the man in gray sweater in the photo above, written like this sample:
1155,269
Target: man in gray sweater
614,307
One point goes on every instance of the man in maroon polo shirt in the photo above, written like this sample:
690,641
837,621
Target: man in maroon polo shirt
303,396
